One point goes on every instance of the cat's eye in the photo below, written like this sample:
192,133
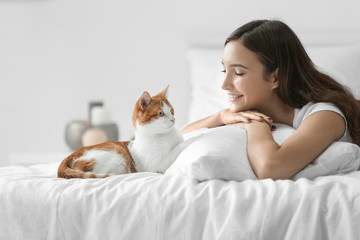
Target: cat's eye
161,114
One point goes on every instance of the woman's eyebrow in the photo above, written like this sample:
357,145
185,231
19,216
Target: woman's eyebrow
236,65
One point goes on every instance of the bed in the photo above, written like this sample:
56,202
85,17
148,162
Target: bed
183,203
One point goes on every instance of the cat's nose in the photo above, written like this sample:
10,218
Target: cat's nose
173,120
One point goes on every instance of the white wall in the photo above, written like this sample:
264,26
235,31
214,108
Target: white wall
57,55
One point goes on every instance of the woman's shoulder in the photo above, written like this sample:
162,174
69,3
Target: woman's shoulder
302,113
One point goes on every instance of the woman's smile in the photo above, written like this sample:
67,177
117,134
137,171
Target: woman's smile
233,97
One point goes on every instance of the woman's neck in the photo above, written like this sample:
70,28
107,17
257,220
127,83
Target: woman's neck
279,111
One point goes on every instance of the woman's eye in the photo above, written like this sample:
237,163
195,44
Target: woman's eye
237,74
161,113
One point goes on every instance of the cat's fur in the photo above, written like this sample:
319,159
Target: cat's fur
155,147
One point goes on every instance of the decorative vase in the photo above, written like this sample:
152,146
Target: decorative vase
74,131
82,133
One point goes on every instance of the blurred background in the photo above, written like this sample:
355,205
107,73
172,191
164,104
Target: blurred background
57,56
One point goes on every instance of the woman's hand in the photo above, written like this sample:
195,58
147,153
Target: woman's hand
239,119
226,117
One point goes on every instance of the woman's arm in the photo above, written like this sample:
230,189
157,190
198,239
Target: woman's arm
225,117
315,134
209,122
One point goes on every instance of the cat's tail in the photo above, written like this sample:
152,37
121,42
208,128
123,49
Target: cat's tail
67,170
75,173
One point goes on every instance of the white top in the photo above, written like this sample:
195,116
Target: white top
310,108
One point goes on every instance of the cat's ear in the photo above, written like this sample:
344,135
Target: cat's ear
164,93
144,100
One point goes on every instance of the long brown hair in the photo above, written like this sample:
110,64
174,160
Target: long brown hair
278,47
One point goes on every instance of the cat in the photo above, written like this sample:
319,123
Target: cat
155,146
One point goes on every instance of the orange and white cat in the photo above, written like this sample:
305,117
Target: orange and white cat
155,147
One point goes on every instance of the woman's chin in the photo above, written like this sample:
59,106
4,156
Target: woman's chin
235,108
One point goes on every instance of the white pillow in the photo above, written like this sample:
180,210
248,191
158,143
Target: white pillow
220,153
340,62
339,157
207,97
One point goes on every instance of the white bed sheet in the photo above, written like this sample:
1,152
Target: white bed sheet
34,204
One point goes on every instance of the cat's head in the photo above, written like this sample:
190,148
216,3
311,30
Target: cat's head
153,115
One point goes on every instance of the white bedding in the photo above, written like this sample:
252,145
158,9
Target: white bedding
34,204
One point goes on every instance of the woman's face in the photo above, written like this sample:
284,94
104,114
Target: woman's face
243,79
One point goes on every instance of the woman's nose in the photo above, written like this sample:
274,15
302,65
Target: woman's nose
226,82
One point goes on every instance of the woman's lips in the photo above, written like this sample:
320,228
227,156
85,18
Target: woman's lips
234,97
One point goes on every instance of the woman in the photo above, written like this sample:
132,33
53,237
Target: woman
270,78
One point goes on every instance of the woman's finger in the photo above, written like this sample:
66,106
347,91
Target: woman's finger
248,116
251,115
240,117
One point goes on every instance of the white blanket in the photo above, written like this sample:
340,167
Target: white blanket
34,204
